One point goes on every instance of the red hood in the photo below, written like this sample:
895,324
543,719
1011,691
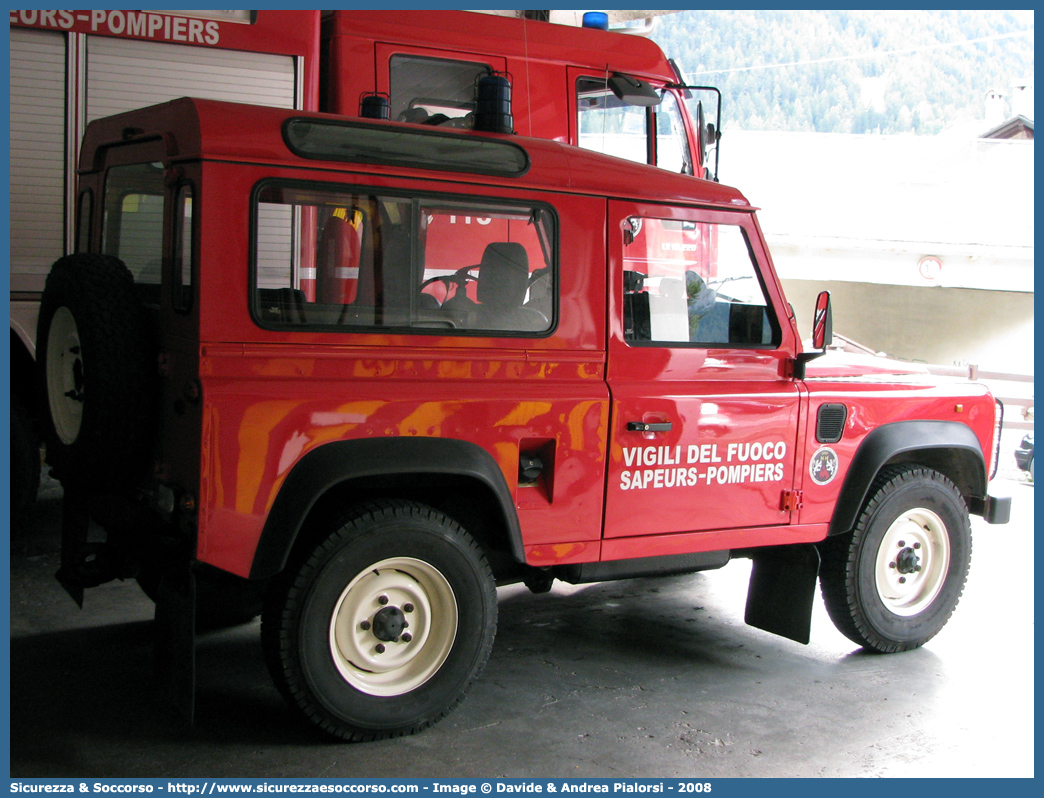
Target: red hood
848,365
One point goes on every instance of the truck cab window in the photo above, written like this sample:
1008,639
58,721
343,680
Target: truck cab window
434,91
692,283
609,125
612,126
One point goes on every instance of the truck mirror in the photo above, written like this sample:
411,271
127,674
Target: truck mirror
822,335
704,136
822,325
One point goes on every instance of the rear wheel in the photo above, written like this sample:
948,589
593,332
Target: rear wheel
893,582
380,629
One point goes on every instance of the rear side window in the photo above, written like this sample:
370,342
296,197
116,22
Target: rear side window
184,222
338,259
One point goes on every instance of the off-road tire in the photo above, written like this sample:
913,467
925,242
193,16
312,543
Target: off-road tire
25,467
893,582
328,620
96,372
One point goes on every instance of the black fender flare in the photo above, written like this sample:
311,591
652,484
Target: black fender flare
342,461
948,447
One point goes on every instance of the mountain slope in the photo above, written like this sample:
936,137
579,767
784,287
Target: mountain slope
852,71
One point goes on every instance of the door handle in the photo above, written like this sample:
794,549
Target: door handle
641,426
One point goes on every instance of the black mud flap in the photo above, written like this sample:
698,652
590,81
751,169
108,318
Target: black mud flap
76,520
782,589
175,640
994,509
87,564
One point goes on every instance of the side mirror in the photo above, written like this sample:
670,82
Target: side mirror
707,138
708,131
822,335
823,324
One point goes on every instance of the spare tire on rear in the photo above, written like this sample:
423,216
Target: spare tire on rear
97,373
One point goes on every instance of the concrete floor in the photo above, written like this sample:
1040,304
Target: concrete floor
637,678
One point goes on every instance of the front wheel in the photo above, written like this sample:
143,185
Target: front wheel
893,582
380,629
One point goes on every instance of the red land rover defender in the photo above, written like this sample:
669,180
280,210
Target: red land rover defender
515,360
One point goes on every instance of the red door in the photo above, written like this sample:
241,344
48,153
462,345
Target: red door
704,422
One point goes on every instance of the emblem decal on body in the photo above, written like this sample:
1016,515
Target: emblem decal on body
823,466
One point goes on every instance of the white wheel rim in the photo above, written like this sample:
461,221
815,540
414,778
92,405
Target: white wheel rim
422,597
65,376
912,562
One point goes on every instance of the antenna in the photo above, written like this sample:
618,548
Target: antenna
529,91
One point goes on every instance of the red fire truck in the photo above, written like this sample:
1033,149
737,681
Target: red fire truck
607,91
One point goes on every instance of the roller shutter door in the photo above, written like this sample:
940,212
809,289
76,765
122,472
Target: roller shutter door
123,74
37,155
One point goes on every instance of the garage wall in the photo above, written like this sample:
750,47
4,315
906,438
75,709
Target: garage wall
944,326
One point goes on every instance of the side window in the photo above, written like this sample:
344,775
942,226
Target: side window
672,144
612,126
692,283
183,226
434,91
343,260
607,124
132,222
